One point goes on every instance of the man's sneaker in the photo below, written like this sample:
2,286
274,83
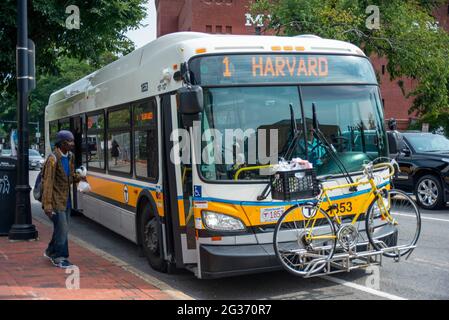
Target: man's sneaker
46,255
63,264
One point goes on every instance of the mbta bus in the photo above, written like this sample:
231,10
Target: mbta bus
208,216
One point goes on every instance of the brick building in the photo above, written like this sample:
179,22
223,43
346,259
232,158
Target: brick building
229,17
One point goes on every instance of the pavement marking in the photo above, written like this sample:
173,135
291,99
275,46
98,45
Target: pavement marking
422,218
164,287
363,288
433,264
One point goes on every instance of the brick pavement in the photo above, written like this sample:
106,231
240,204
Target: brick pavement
26,274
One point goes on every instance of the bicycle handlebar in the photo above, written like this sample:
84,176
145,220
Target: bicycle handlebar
368,170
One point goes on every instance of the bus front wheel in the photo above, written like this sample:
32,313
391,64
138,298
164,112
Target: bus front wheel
151,239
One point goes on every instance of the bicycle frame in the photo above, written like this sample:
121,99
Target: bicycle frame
324,199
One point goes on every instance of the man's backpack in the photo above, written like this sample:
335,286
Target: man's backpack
38,185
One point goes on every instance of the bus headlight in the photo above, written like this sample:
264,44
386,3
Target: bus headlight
221,222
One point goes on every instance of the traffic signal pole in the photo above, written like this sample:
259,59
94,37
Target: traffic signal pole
22,229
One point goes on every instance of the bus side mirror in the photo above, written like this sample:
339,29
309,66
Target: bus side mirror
191,100
406,152
392,143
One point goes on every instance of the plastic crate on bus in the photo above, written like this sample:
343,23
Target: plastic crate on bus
295,184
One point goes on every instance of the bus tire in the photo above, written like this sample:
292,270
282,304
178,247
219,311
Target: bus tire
151,238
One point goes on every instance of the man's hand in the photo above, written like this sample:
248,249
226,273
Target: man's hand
49,213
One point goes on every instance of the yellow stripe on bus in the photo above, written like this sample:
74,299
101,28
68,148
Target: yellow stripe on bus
115,191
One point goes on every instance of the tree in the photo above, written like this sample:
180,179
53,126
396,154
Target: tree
409,37
103,24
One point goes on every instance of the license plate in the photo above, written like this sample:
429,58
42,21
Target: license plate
271,214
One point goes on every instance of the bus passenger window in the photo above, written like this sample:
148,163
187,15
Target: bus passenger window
64,124
119,152
95,147
53,132
119,140
145,140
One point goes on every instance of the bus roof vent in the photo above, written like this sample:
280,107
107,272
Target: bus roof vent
308,36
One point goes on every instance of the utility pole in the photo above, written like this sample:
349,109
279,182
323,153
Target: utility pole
22,229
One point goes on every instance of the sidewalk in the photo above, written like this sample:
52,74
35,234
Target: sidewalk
26,274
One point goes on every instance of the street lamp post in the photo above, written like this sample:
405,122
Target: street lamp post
22,229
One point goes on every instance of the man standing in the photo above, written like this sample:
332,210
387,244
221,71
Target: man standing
395,139
57,178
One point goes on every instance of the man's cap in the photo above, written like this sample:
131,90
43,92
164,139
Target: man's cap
64,135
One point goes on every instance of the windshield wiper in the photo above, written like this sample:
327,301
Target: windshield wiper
295,134
329,147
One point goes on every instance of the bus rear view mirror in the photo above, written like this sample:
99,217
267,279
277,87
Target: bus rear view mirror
191,100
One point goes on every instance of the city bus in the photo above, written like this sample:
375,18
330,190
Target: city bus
129,120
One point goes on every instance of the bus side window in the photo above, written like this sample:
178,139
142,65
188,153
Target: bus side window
146,140
119,140
53,132
95,146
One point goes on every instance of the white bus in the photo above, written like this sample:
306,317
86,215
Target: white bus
206,217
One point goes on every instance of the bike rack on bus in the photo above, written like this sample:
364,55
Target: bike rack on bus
348,261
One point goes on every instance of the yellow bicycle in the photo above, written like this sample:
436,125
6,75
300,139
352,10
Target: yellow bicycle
309,233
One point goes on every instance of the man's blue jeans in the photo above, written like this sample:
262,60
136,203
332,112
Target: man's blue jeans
58,248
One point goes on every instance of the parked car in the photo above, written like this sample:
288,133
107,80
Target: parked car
423,159
35,159
6,152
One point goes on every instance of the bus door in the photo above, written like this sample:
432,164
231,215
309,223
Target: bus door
176,188
187,198
76,127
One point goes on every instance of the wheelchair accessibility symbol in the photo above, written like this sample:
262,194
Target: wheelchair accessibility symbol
197,191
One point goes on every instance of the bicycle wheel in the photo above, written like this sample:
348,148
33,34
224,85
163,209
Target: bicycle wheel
304,239
400,230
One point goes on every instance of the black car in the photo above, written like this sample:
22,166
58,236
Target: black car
424,166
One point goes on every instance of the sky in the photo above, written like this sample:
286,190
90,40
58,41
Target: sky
147,33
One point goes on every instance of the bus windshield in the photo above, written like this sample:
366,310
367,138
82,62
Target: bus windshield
253,125
349,116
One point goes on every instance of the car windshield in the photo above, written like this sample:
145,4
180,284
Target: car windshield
33,153
427,142
348,115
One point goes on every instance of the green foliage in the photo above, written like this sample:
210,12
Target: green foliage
63,55
408,37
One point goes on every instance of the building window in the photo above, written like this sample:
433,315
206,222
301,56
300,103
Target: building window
383,103
218,29
228,29
209,29
383,69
